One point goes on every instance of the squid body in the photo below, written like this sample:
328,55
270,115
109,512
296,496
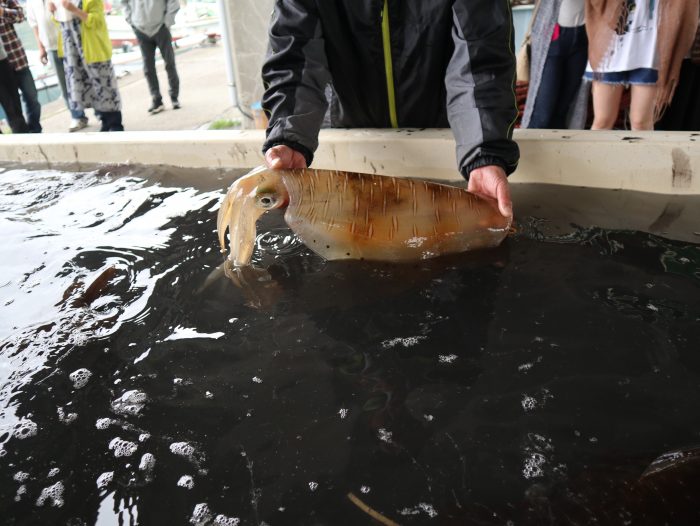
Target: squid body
344,215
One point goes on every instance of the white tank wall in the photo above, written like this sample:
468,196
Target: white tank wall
660,162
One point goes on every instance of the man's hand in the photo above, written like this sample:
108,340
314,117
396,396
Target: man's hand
491,181
283,157
52,7
43,56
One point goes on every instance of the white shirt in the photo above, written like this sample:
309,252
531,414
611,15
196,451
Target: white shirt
61,14
636,47
572,13
38,16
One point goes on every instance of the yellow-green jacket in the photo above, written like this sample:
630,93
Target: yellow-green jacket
97,47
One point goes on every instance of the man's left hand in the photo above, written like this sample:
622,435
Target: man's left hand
491,181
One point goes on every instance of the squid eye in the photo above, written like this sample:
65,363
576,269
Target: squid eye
267,201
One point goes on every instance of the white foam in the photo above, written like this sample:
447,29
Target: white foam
447,358
53,472
384,435
223,520
144,436
186,481
53,494
22,490
343,413
533,466
209,395
405,342
25,429
66,418
365,489
313,486
20,476
148,461
183,449
103,423
201,515
80,378
122,448
105,479
528,403
257,380
130,403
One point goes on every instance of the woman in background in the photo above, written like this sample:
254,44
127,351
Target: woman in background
559,55
638,44
87,52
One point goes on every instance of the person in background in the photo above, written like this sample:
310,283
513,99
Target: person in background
414,63
87,52
559,56
9,95
151,21
11,13
48,39
640,44
683,114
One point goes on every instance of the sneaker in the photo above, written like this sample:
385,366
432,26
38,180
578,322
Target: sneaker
156,108
77,124
176,105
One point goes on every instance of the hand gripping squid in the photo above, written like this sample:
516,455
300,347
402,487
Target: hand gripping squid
344,215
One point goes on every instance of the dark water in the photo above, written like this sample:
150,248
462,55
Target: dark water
540,383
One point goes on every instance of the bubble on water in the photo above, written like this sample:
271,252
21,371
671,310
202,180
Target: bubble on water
384,435
103,423
343,413
66,418
447,358
223,520
525,367
122,448
410,341
424,507
365,489
209,395
528,403
257,380
130,403
105,479
144,436
22,490
20,476
2,452
183,449
53,472
533,466
201,515
80,378
148,461
53,494
186,481
313,486
25,429
428,509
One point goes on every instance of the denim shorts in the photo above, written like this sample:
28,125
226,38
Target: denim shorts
640,76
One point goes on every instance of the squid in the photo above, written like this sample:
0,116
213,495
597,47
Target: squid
344,215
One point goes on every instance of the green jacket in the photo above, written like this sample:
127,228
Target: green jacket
97,47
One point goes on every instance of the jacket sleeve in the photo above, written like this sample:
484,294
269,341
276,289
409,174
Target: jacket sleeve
95,10
295,74
480,82
13,12
171,9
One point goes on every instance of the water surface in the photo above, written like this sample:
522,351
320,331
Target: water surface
539,383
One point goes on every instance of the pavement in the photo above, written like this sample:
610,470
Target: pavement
204,96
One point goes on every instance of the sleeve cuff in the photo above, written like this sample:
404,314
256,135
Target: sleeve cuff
487,160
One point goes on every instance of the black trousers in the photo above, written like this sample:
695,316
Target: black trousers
9,98
163,41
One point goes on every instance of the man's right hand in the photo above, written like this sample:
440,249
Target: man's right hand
43,56
283,157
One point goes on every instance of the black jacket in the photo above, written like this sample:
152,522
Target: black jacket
452,61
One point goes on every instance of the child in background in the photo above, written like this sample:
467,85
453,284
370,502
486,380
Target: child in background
87,53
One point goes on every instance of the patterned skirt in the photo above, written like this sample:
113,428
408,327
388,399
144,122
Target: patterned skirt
89,85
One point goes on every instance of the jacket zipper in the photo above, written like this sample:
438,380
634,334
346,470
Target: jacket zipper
388,67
